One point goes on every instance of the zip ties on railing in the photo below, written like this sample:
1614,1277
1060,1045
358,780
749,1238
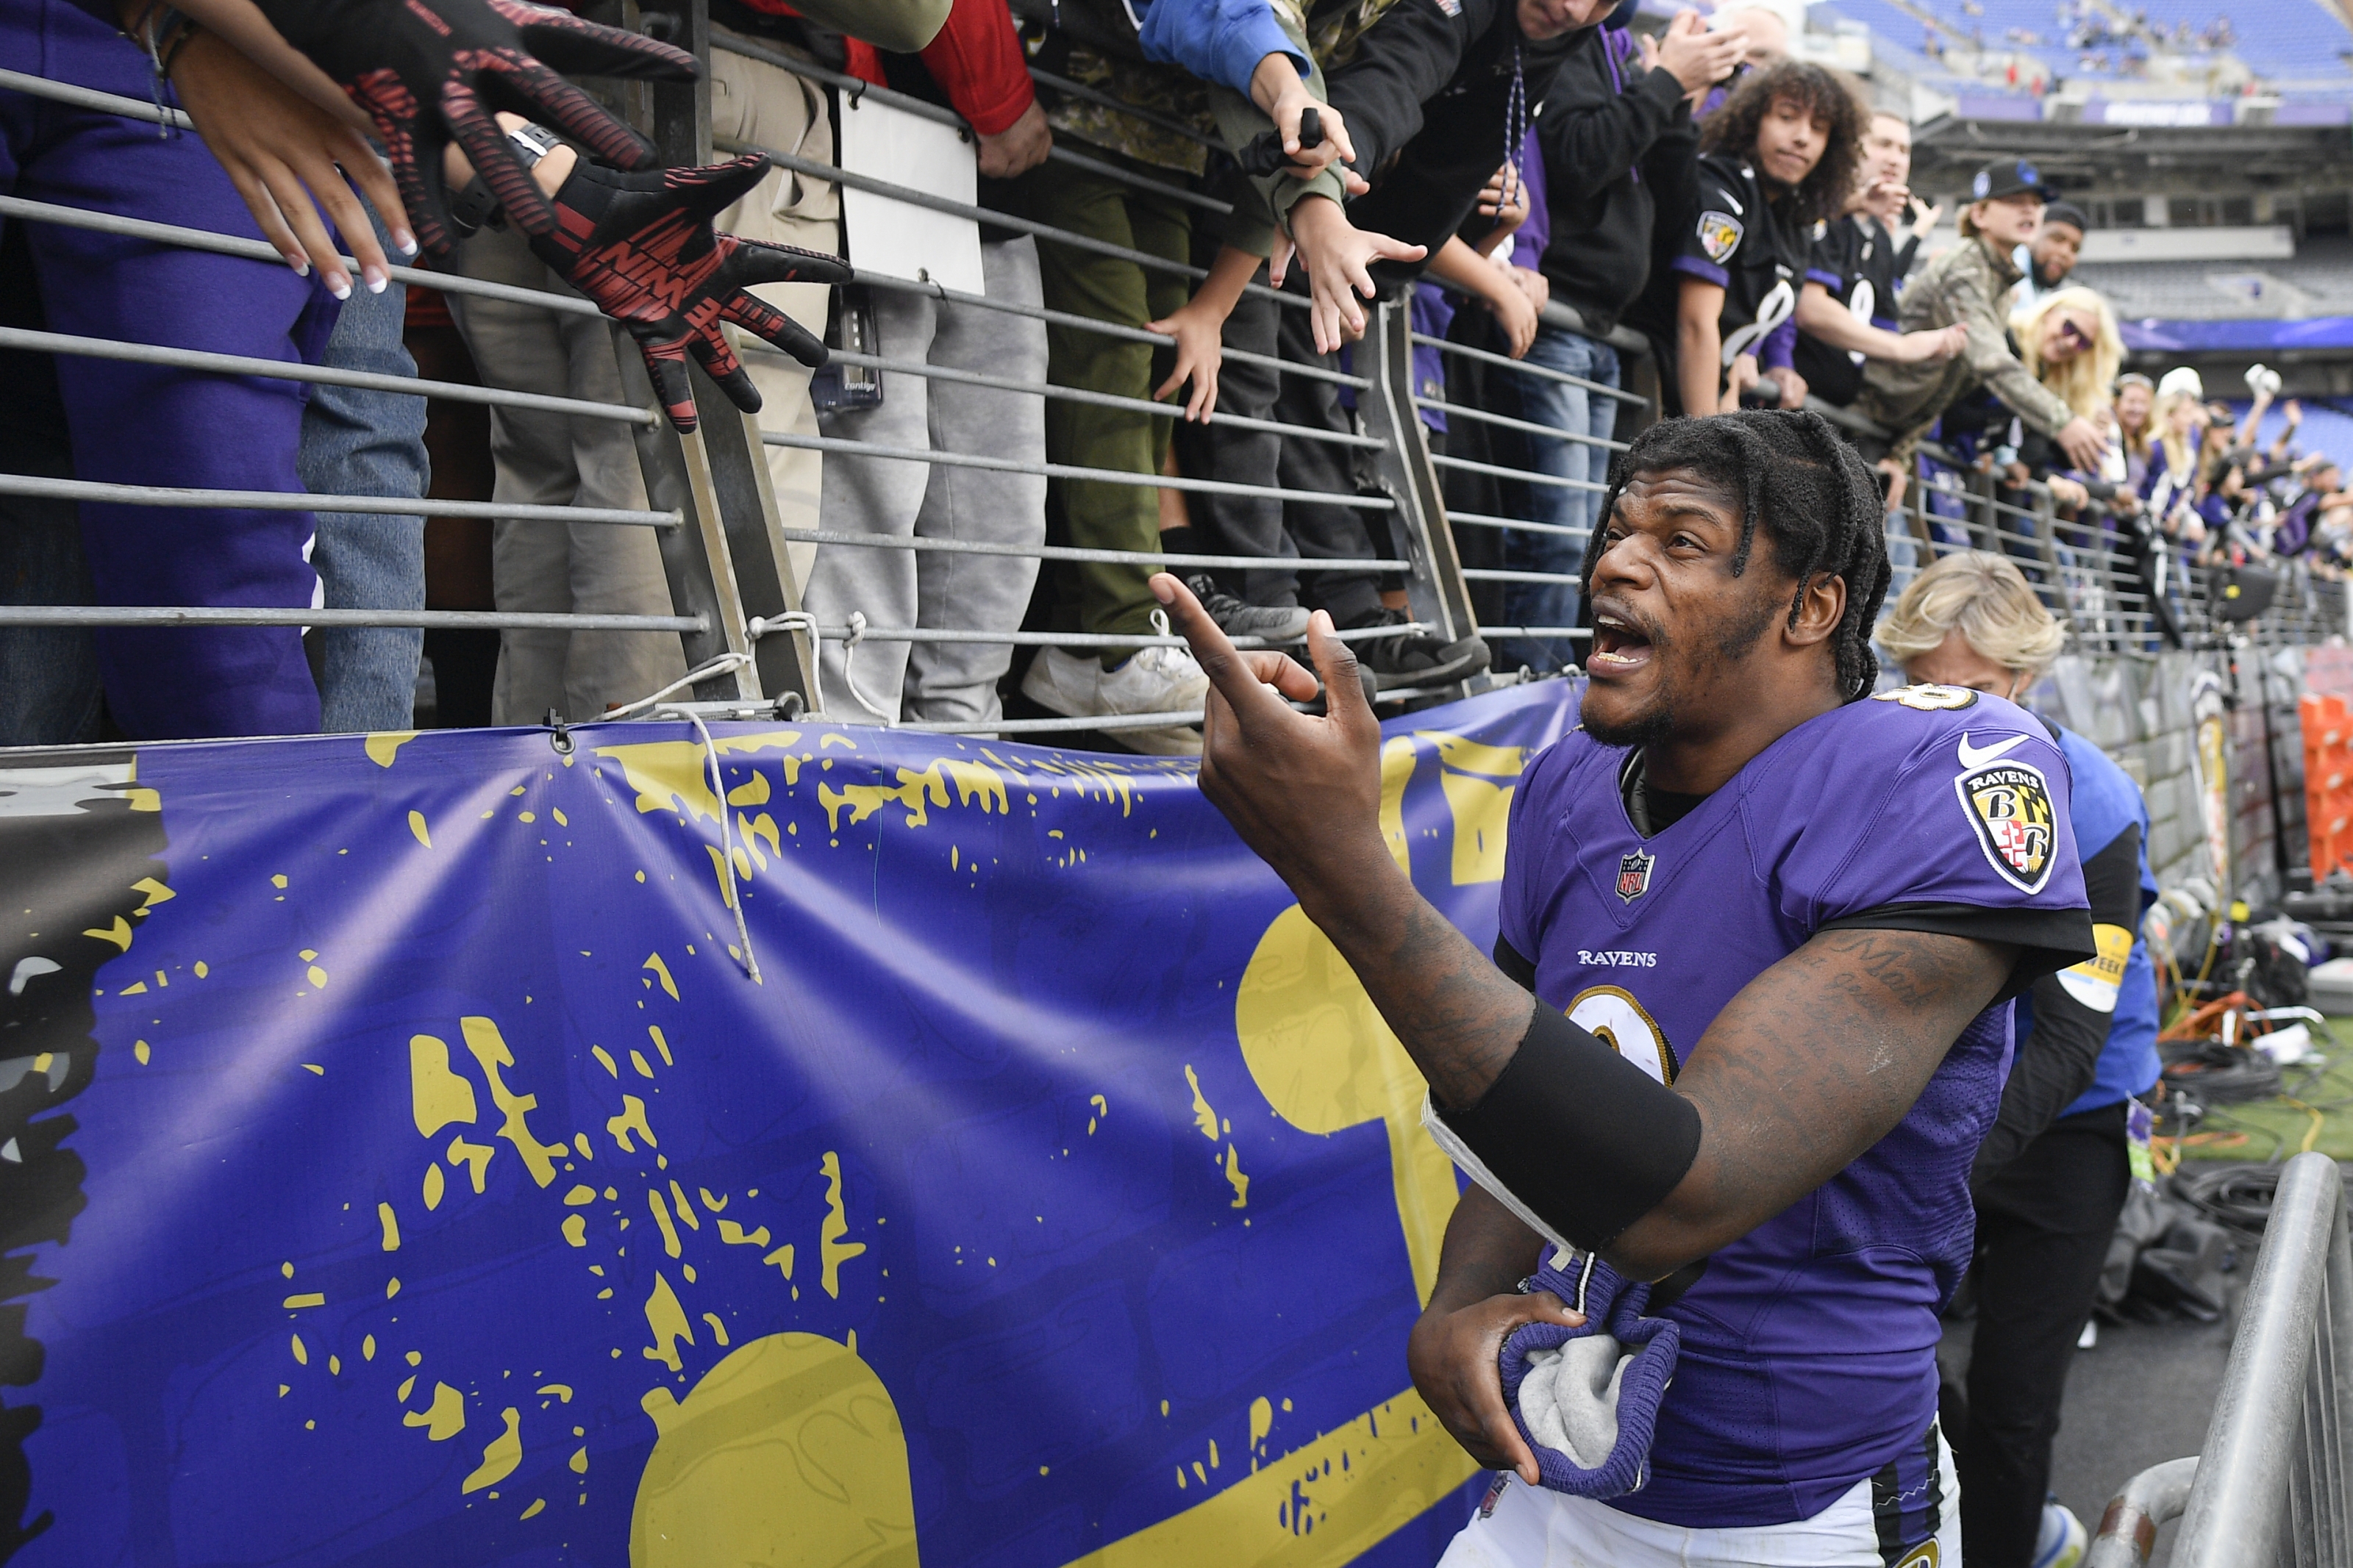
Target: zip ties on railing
701,672
849,668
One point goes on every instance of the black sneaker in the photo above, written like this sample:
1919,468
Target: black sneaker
1275,623
1415,658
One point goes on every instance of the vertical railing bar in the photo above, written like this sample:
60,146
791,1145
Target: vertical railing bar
1436,590
2242,1493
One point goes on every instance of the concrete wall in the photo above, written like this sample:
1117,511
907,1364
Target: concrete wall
2139,711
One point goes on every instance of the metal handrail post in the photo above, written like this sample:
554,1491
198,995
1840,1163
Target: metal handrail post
2046,535
2127,1532
2254,1445
1435,591
696,560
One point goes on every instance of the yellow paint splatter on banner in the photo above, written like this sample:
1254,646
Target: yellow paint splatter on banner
489,1052
1203,1117
385,744
667,1321
438,1096
444,1418
661,971
417,826
833,1252
391,1222
501,1456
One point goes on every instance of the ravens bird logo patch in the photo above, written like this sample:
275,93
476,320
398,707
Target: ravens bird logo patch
1719,234
2009,805
1634,875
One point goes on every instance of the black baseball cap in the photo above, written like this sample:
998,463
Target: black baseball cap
2068,214
2010,177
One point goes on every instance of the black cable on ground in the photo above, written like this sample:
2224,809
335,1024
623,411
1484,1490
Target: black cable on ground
2236,1197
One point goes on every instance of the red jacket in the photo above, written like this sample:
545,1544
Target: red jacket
977,60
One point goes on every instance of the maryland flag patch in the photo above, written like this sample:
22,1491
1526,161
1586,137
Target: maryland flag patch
1719,234
2009,805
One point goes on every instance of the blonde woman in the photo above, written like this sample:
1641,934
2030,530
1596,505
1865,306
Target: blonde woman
2070,343
2051,1176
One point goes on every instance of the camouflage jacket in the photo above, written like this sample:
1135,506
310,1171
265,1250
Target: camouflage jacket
1970,282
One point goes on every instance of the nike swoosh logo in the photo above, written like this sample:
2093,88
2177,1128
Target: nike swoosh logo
1978,756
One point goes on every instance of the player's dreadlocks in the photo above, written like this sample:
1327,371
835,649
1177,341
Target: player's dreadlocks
1814,494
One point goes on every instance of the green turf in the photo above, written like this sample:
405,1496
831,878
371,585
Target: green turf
2276,1127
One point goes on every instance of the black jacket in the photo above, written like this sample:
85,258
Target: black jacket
1607,129
1426,98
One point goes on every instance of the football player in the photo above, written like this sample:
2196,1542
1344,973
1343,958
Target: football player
1838,898
2052,1175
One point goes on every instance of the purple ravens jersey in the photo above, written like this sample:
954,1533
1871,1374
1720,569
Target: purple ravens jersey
1809,1345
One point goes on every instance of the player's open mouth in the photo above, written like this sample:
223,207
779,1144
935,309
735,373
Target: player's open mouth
1618,646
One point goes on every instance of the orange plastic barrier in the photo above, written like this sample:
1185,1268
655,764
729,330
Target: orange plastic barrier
2327,779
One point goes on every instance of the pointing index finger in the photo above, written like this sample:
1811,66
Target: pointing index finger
1228,670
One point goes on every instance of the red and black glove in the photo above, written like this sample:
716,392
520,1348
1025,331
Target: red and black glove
428,71
642,247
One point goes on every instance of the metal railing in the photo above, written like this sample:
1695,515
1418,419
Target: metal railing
736,601
2116,587
2274,1483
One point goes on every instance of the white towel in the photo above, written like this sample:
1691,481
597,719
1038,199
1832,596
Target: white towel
1569,1399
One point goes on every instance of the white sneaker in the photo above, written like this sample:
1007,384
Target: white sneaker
2062,1539
1155,681
1069,686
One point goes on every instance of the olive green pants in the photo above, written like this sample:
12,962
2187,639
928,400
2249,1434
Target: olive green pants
1091,598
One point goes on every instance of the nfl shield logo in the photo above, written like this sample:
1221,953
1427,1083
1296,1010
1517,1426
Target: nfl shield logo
1634,875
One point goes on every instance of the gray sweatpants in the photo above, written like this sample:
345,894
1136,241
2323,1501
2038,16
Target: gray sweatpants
937,682
557,459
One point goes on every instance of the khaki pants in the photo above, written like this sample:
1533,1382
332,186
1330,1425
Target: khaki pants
757,104
556,459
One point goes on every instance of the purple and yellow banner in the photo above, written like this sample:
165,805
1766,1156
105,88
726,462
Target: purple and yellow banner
399,1165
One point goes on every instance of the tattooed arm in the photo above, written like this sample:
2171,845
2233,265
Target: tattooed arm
1813,1062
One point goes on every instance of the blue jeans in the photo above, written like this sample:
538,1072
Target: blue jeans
1578,412
360,443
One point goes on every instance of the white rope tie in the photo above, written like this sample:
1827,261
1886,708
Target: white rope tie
849,668
804,623
724,662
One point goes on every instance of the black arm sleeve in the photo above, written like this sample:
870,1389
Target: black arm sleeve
2055,1064
1590,138
1576,1136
